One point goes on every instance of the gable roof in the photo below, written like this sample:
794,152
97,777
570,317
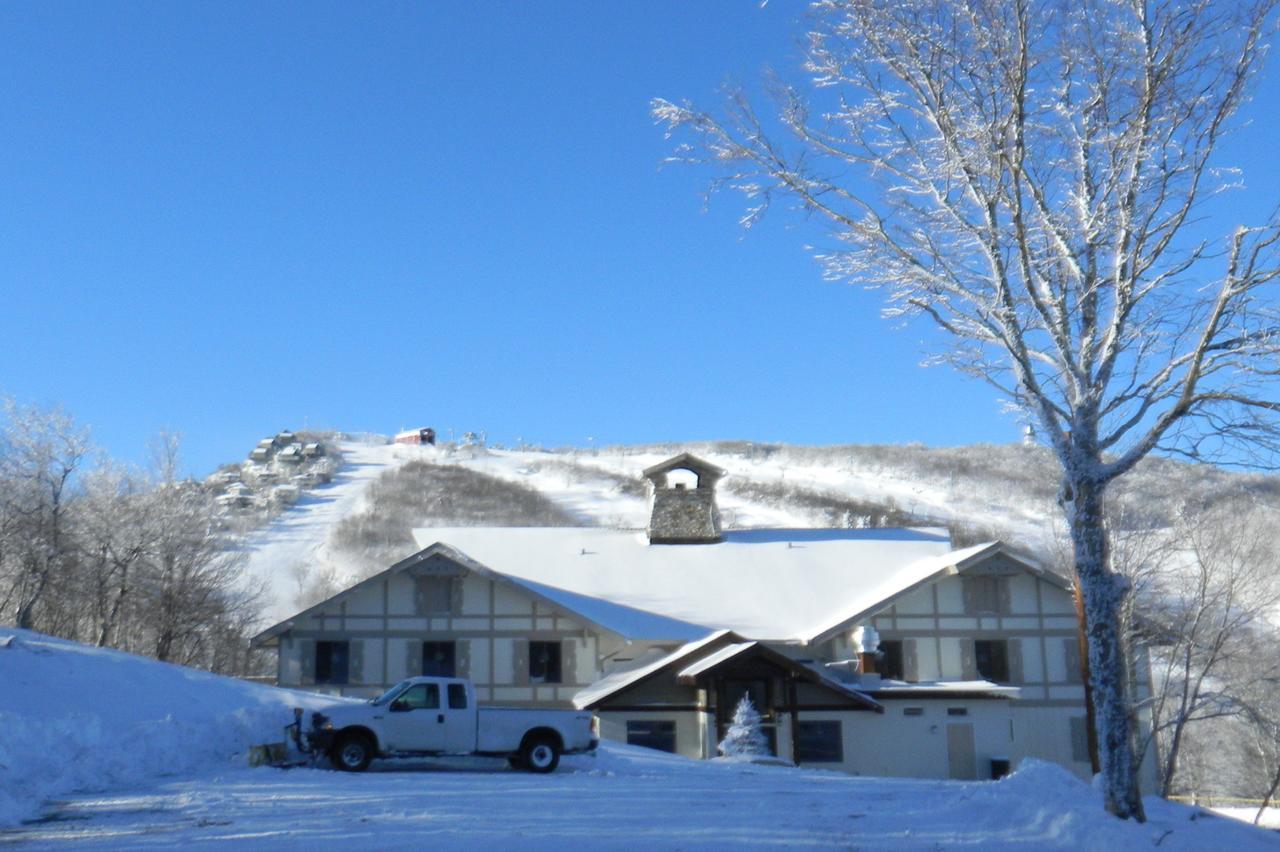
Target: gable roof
703,656
767,584
870,601
685,461
621,620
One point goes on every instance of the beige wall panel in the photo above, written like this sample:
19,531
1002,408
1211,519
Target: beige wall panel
509,623
404,623
1016,623
1022,593
1056,600
873,743
507,601
1058,622
950,596
914,624
479,624
502,658
952,667
367,601
1045,732
481,670
290,668
918,602
512,693
1032,662
373,673
929,666
1067,693
475,595
958,623
400,595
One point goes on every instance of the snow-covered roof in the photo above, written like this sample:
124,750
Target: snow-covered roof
647,664
943,689
728,652
768,584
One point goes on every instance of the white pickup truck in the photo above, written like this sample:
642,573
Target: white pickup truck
436,715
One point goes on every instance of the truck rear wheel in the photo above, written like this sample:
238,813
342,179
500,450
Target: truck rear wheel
540,754
352,753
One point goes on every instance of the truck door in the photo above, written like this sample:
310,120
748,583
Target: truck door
413,721
459,720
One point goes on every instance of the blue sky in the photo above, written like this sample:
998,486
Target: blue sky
227,219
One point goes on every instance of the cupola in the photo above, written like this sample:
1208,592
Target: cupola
682,501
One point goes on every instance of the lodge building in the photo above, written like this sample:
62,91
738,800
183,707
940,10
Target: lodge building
873,651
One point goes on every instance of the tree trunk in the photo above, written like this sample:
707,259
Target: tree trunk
1104,593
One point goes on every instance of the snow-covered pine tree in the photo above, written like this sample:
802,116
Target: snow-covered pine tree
744,737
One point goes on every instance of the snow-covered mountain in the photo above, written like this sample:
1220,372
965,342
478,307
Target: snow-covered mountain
361,522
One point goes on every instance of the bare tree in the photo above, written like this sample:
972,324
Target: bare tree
1207,594
1028,175
40,451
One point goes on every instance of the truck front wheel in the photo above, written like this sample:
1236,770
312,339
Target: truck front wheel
352,753
540,754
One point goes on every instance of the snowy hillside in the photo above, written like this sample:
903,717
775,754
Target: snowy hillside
362,521
110,751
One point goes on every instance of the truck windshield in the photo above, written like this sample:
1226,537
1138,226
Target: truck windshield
390,693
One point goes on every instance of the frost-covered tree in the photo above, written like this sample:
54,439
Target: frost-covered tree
744,738
1031,177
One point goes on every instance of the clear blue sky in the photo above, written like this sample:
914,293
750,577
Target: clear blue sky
227,219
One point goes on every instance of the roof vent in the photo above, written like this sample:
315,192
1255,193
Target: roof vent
679,514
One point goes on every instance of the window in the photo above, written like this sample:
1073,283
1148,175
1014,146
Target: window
991,659
438,659
435,595
957,711
332,662
912,711
890,663
982,595
652,734
422,696
457,696
819,742
544,662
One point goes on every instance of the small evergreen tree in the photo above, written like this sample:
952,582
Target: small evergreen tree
744,737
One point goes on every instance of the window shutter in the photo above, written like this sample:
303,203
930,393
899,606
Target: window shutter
1005,595
1080,739
968,663
520,662
455,595
569,661
1015,660
910,661
355,661
1071,655
413,659
307,656
462,658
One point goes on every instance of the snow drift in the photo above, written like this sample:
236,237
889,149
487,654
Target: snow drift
75,718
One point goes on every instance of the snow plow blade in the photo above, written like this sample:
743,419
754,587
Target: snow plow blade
270,754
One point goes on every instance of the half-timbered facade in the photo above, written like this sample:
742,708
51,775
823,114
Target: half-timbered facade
883,652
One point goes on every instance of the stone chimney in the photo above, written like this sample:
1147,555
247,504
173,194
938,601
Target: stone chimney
679,514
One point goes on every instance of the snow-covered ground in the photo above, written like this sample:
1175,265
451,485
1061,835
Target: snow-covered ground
103,750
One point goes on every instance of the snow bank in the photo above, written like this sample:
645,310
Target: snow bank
75,718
